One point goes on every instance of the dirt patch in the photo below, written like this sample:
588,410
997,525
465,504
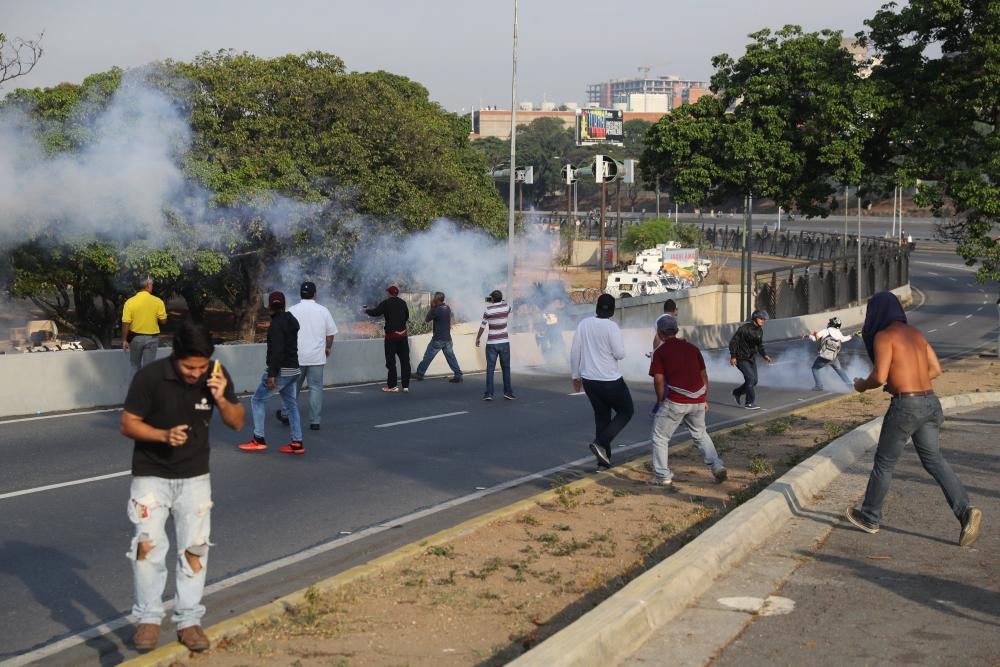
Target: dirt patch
488,595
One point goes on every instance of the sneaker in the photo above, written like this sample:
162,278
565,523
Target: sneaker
602,456
456,380
487,397
817,388
418,378
193,637
406,390
255,444
391,390
313,427
970,526
737,398
752,406
282,417
855,517
510,397
292,448
721,475
146,637
661,482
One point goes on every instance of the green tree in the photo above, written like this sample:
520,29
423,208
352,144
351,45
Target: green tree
651,233
938,74
790,116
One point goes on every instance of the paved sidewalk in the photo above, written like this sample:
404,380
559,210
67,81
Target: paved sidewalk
833,595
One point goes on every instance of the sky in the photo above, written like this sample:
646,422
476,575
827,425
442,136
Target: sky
460,50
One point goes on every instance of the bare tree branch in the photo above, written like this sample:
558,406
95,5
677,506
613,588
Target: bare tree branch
18,56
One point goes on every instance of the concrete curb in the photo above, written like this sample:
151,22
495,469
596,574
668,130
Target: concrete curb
623,622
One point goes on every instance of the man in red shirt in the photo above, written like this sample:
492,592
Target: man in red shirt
681,383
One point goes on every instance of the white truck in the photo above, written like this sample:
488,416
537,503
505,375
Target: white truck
659,270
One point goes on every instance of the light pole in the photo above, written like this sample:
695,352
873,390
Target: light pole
513,164
859,244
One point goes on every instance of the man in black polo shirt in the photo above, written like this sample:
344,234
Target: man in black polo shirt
167,412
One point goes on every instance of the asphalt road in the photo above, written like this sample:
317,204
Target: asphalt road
364,487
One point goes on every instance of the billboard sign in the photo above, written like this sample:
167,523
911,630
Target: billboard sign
600,126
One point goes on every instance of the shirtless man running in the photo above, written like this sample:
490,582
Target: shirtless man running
904,364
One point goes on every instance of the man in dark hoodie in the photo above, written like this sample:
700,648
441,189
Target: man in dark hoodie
397,341
746,343
904,364
281,377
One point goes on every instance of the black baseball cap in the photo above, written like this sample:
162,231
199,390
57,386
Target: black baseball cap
308,290
605,305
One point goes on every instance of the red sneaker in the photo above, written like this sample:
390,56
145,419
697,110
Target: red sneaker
292,448
254,445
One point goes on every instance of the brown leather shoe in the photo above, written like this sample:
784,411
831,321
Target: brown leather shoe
146,637
193,637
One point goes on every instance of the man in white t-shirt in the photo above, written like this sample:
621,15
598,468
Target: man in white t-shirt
598,346
316,332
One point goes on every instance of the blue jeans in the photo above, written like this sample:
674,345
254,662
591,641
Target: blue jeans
919,417
287,386
189,502
314,376
749,369
818,365
433,348
668,418
493,352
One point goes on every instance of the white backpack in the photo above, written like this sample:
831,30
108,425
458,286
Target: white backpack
829,348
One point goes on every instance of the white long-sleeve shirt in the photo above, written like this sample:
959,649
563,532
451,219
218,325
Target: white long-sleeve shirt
598,346
832,332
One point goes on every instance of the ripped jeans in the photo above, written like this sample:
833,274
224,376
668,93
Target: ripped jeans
151,501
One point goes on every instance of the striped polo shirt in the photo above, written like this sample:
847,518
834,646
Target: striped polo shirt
495,321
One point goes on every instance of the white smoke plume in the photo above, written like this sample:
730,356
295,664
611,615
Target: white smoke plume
117,185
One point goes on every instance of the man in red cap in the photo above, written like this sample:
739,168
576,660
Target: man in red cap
397,341
281,377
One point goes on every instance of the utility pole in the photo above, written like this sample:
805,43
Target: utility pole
859,244
618,241
604,189
743,262
751,286
513,165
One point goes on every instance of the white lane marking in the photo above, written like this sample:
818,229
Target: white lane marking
968,316
932,273
60,485
422,419
978,309
951,267
952,279
578,393
63,414
953,324
932,331
261,570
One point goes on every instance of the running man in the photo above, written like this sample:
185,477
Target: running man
745,345
831,341
904,364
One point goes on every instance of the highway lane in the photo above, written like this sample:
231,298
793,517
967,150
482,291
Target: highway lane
62,564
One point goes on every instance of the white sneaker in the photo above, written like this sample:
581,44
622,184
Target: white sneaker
752,406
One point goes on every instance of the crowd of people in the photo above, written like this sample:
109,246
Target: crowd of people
170,403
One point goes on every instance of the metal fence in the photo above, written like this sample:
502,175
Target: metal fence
832,283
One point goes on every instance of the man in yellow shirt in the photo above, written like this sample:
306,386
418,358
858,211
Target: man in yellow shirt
141,319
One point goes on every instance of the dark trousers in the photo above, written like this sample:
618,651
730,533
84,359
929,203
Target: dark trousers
749,369
397,347
605,397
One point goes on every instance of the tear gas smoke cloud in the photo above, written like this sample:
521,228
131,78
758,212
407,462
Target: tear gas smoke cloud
117,185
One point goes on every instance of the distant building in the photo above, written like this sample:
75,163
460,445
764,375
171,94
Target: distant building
618,91
496,122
